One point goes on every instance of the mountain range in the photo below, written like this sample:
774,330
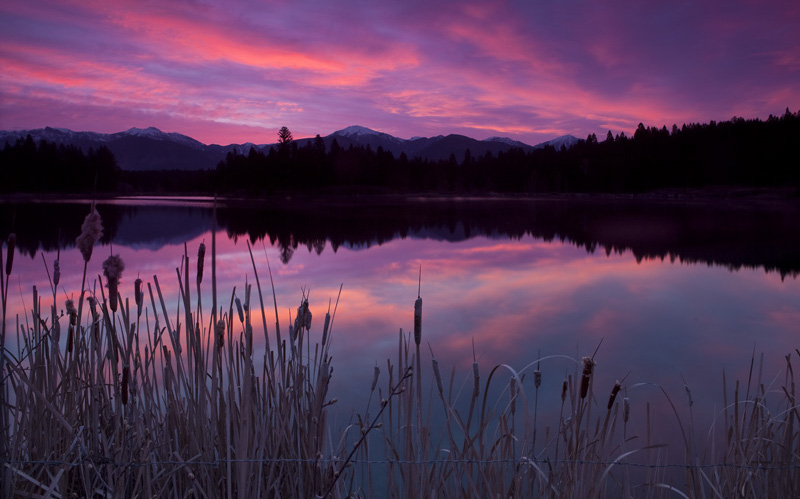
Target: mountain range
152,149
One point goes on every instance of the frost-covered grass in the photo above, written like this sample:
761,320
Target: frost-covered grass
116,397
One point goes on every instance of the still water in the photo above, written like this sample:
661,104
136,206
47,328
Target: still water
668,293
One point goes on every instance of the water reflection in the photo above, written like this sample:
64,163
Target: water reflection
519,281
731,234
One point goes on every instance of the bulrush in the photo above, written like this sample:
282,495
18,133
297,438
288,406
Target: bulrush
614,392
91,232
239,309
12,242
112,269
220,330
72,312
588,366
138,295
201,253
303,319
418,320
124,389
56,272
73,320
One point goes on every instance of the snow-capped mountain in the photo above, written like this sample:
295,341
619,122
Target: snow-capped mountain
565,140
152,149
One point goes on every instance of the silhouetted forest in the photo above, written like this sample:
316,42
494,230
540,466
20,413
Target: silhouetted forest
738,152
48,167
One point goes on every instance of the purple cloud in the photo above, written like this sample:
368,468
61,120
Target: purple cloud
235,73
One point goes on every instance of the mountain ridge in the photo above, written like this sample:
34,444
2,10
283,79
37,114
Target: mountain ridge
152,149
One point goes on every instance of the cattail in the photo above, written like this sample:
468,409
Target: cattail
438,377
138,295
95,315
12,242
306,316
239,309
626,409
325,327
69,339
689,394
73,320
220,329
588,366
418,320
91,232
375,375
248,334
614,392
112,269
537,378
56,272
201,253
125,376
476,380
563,391
72,312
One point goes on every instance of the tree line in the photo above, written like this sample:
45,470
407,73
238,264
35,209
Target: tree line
735,152
738,152
47,167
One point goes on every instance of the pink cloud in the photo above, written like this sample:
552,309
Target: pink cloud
225,73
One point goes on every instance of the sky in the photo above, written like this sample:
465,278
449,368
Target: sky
233,72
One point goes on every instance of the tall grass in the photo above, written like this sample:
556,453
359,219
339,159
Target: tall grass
138,402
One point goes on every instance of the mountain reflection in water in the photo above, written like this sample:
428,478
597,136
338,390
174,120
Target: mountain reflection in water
733,234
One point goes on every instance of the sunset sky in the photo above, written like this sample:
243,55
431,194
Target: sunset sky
225,72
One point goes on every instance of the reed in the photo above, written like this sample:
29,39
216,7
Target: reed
140,402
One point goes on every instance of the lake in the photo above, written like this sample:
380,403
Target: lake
667,293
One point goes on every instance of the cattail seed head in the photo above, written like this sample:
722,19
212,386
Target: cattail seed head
72,312
588,366
125,381
112,269
626,409
537,378
418,321
138,295
70,332
12,243
91,232
563,391
614,392
239,309
201,253
220,330
56,272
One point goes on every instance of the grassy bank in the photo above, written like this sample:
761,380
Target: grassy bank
118,394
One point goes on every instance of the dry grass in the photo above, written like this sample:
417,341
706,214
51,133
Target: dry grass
130,401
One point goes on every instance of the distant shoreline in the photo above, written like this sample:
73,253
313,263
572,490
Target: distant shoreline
351,196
